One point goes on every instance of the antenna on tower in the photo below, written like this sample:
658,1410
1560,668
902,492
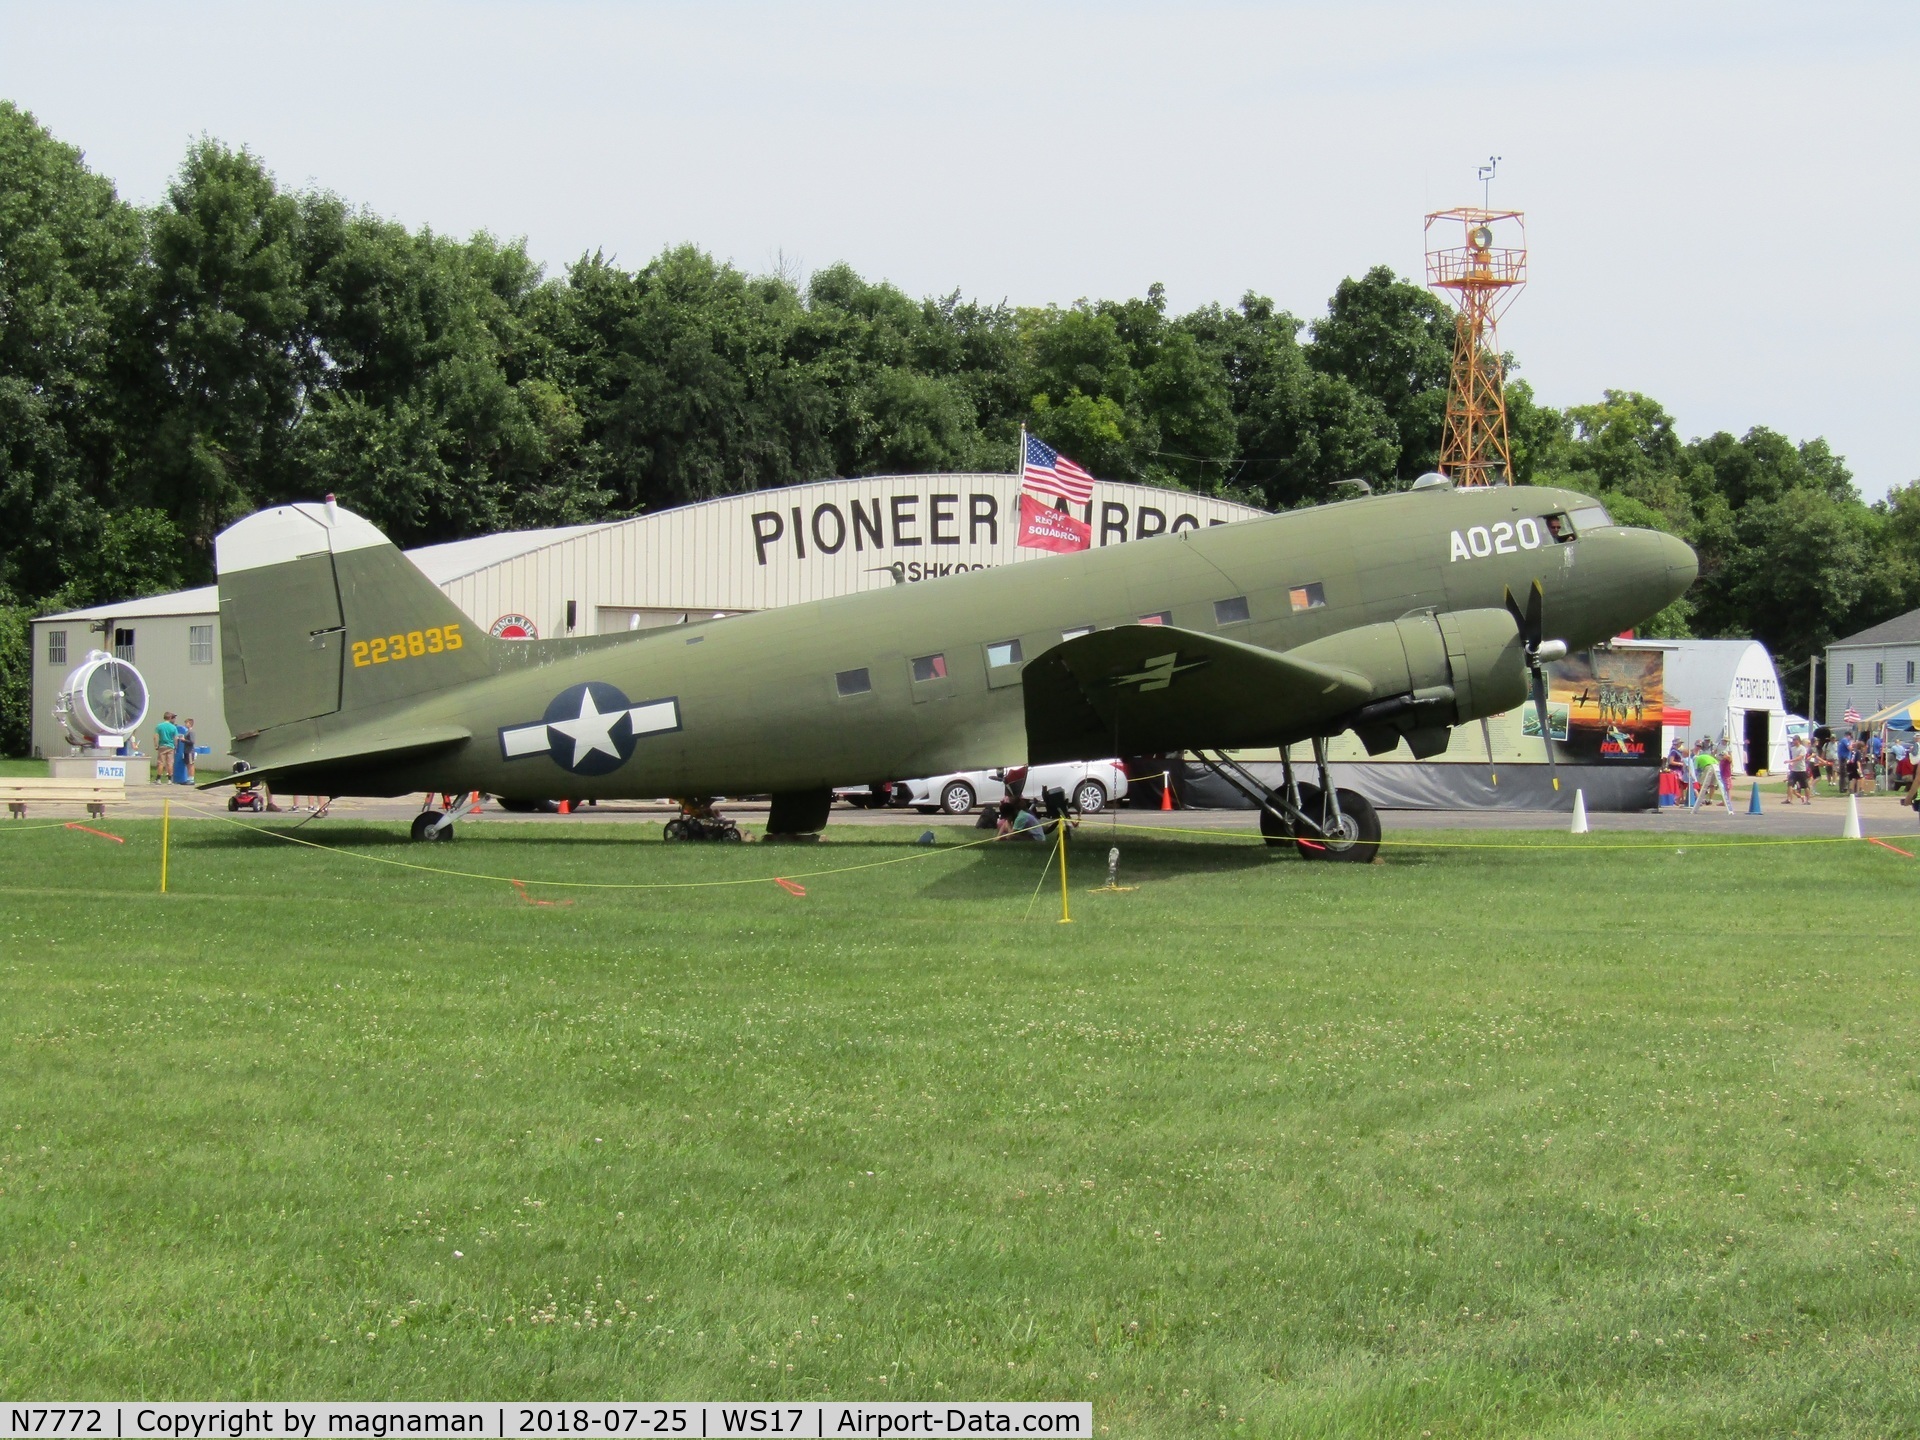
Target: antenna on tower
1486,173
1482,270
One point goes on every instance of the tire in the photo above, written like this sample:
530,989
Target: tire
423,824
1279,831
732,835
233,804
1090,797
674,829
957,798
1359,840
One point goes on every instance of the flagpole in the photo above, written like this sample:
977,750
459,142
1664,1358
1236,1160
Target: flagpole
1020,460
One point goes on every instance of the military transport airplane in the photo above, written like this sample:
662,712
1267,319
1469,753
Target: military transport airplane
1398,616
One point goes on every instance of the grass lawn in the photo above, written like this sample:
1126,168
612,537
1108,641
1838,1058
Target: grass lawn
22,769
1522,1141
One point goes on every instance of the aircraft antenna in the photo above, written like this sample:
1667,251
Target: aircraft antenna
1481,267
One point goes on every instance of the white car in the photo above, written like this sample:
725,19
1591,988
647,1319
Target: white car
1091,785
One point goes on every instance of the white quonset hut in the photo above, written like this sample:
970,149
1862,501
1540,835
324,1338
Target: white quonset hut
1732,694
745,552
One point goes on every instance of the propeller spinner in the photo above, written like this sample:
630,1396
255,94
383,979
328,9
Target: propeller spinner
1539,652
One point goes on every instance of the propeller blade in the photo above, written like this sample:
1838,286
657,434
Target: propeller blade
1513,609
1486,734
1536,603
1546,728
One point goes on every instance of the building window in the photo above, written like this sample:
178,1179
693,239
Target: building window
1849,672
57,650
1231,612
1077,631
200,644
930,667
1003,652
123,644
1909,672
1879,672
1307,597
1159,617
853,682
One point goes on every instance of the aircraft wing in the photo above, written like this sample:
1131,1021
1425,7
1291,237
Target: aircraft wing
1153,689
362,748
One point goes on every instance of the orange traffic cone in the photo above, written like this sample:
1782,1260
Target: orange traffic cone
566,807
1166,790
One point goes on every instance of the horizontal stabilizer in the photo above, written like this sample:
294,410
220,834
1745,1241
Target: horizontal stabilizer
363,749
1154,689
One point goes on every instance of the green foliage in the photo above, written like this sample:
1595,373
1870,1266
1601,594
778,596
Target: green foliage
165,371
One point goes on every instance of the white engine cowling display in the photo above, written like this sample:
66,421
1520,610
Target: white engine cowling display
102,700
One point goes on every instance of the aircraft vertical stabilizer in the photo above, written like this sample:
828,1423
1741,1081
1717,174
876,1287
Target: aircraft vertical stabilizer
320,615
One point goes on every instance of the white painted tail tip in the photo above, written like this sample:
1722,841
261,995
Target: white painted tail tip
1851,830
1579,826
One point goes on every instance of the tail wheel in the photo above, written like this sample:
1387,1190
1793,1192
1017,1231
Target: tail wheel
1090,798
423,824
1356,836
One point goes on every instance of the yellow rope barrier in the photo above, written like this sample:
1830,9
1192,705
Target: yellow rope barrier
926,854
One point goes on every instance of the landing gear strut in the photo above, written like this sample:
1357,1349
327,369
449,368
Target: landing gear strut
1320,821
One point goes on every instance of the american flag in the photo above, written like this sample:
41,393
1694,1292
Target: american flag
1047,471
1852,717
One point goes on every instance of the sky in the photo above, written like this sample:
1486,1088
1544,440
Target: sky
1721,200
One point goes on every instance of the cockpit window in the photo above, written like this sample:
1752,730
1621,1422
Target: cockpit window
1559,528
1590,517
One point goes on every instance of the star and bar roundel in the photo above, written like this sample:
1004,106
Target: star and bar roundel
590,729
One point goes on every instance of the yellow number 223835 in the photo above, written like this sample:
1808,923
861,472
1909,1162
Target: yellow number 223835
409,645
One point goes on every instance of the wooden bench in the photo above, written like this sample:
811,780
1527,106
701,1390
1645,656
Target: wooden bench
96,795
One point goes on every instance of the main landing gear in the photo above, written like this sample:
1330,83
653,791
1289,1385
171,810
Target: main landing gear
1320,821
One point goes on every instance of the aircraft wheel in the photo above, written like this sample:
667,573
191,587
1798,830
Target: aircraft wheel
1358,840
674,829
1090,798
957,798
423,824
1280,832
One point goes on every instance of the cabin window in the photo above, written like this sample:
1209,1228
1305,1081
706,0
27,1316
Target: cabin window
930,667
1231,612
1590,517
853,682
1077,631
200,644
1003,652
1159,617
1307,597
123,645
57,649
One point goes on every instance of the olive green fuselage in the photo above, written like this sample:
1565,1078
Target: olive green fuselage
759,698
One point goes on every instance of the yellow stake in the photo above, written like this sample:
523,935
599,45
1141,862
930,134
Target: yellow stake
166,819
1065,918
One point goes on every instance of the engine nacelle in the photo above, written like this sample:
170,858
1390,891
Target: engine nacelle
1429,673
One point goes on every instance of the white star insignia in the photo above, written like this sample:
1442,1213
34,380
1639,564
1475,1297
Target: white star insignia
590,730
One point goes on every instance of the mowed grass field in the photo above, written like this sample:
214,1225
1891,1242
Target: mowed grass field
1554,1139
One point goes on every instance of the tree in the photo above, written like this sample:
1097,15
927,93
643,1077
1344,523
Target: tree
1393,342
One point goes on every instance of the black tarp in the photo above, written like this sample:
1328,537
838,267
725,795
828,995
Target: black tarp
1407,785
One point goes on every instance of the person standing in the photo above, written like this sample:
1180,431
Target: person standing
1797,771
1726,773
183,754
164,735
1706,772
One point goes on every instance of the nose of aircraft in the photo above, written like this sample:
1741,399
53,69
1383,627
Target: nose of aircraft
1683,566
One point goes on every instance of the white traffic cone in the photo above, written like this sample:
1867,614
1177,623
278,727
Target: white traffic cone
1851,830
1579,826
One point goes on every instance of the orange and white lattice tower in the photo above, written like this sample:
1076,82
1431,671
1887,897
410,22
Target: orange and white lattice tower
1481,266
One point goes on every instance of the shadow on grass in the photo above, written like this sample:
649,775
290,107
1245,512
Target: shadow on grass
1015,870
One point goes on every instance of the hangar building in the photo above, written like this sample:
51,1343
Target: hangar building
720,557
1729,692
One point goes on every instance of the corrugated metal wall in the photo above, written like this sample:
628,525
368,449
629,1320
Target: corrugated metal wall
809,542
